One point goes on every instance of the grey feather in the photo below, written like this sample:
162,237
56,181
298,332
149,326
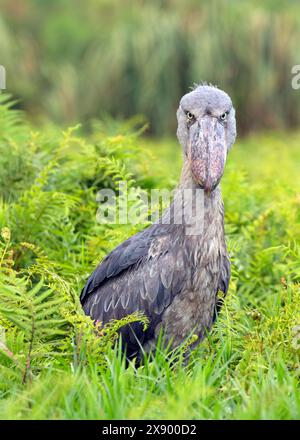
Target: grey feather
165,271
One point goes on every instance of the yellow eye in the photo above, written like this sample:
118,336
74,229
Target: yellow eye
190,116
223,117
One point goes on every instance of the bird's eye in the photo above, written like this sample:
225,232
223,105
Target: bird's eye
223,117
190,116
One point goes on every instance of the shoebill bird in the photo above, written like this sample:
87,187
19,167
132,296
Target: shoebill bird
170,272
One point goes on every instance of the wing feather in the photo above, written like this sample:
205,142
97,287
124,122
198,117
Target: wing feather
141,274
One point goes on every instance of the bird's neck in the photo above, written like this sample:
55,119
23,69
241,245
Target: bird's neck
186,179
206,208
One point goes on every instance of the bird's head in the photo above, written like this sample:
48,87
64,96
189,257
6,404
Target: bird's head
206,131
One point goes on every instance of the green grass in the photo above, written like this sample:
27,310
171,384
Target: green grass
53,365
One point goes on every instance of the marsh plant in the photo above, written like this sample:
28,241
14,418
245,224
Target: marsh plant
79,59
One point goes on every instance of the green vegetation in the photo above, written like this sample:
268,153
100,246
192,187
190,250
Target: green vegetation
71,60
53,364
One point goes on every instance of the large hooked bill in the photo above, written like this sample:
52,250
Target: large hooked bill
208,152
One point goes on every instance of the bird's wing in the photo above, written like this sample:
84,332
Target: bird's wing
224,274
123,256
223,283
143,273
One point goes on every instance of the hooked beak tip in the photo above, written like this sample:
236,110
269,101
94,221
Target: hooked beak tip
209,187
208,192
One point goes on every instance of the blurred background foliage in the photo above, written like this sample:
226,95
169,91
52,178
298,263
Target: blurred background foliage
71,60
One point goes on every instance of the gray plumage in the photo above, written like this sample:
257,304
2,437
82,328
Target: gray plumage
169,271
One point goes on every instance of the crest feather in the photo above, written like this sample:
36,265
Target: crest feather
202,83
